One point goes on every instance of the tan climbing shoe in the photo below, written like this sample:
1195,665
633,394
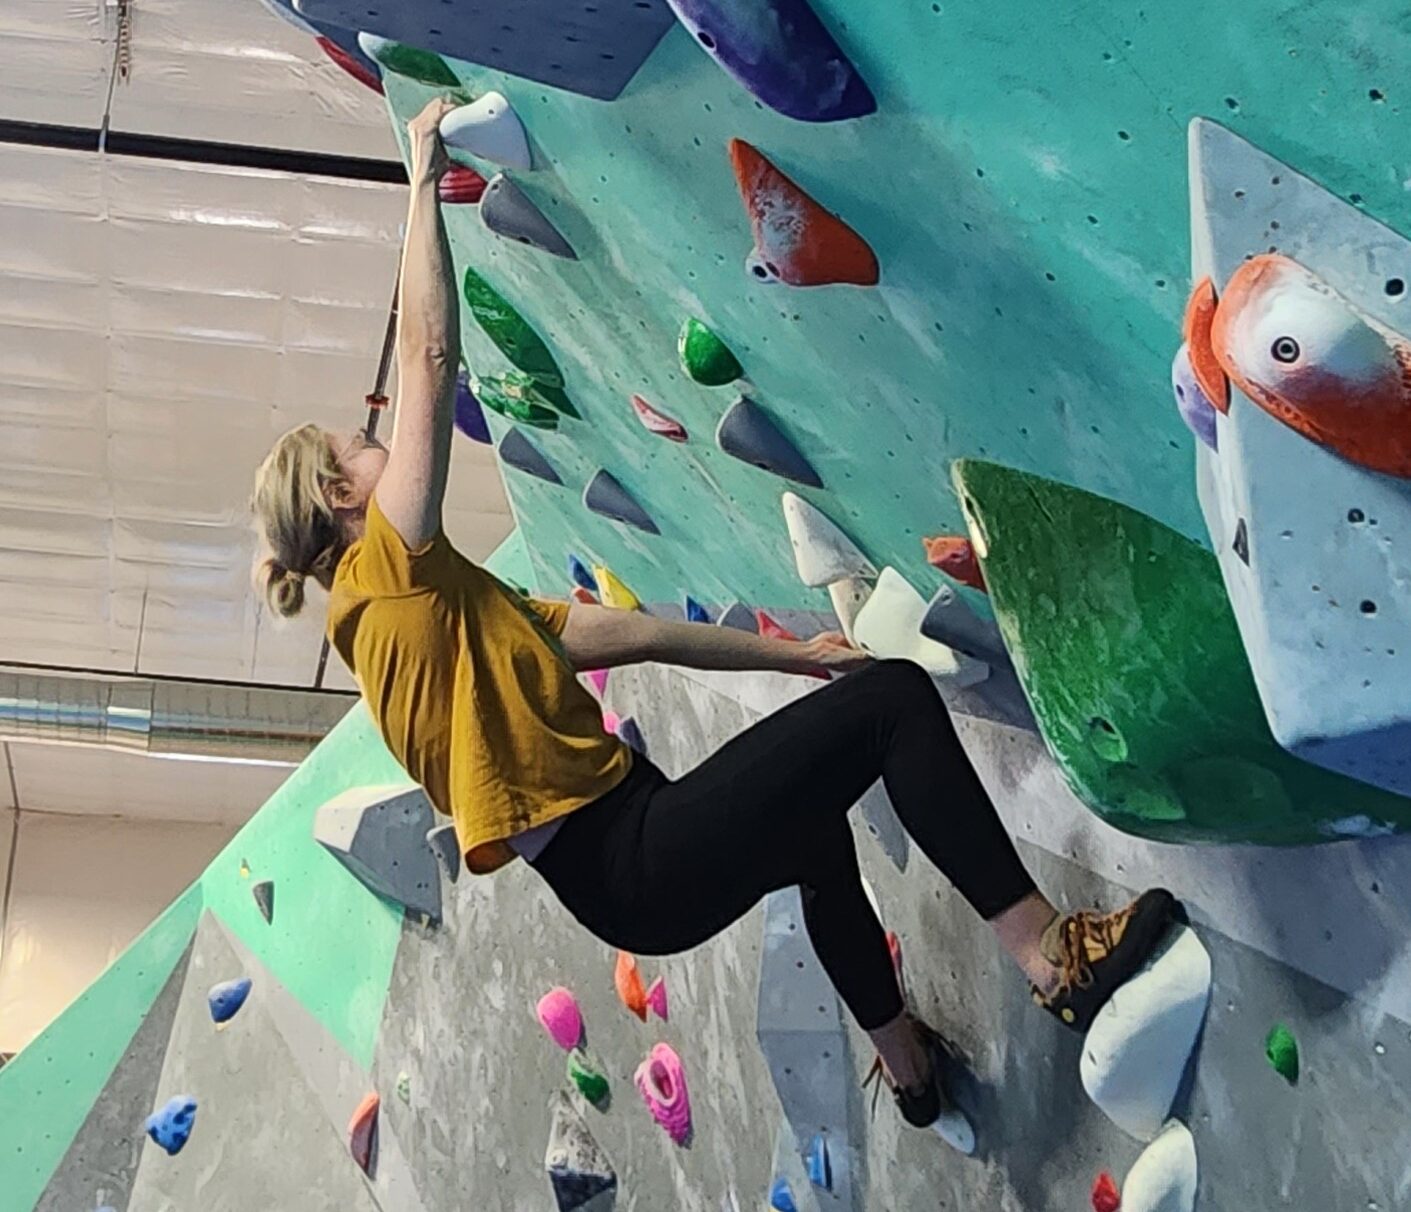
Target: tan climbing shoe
1096,953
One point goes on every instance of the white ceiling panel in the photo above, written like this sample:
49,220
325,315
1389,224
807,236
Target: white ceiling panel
54,61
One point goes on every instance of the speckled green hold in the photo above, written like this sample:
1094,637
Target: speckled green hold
510,331
415,64
1282,1050
517,396
1126,646
590,1080
705,357
404,1087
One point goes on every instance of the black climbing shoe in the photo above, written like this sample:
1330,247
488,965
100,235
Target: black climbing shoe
930,1107
1096,953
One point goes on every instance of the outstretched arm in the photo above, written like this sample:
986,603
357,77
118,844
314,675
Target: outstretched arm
428,348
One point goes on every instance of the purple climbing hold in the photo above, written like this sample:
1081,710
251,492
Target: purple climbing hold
470,417
630,734
170,1125
226,998
508,211
782,53
518,451
1191,401
604,495
747,432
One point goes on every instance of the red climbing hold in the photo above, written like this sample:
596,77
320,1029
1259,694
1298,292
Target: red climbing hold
460,186
579,594
796,240
955,557
770,629
658,422
349,64
362,1134
630,990
1106,1197
894,950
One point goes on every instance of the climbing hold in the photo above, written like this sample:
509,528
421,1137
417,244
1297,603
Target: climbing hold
404,1087
747,432
1164,1178
350,63
705,357
598,678
1240,544
469,416
849,596
768,628
508,211
605,496
781,1196
658,422
588,1076
661,1081
510,331
738,616
263,892
1196,329
820,1167
630,734
822,553
1191,401
611,722
1282,1050
579,1171
226,998
627,978
170,1125
489,129
782,53
579,594
656,998
1106,1197
795,239
419,65
950,621
446,849
244,869
889,625
460,185
379,834
580,574
955,556
362,1134
695,612
519,452
517,396
1140,1044
614,592
560,1016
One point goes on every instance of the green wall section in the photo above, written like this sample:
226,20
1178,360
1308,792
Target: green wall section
1126,646
510,561
48,1089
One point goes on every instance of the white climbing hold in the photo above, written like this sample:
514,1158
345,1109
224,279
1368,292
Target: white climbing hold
488,128
1164,1177
849,596
889,625
822,552
1138,1047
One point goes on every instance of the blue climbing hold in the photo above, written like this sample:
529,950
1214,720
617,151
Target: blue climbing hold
518,451
604,495
820,1169
470,417
1191,401
170,1126
581,574
226,998
747,432
781,1196
782,53
695,612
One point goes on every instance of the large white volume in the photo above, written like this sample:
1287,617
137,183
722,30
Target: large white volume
1164,1177
490,129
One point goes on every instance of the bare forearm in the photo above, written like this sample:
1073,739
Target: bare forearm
597,638
428,321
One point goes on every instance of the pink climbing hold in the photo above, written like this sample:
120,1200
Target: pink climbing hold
1106,1197
656,999
658,422
599,680
770,629
662,1084
460,186
560,1016
611,722
362,1134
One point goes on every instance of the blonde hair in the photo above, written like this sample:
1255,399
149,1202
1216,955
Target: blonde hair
295,519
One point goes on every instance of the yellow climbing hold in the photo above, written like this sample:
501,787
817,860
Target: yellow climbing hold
613,592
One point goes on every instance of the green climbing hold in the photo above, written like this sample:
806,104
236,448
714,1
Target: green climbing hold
409,61
1282,1050
510,331
705,357
588,1077
404,1087
517,396
1126,646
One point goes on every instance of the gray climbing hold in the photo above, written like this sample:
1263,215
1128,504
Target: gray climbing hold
740,617
747,432
508,211
629,732
519,452
263,892
379,835
579,1170
950,621
604,495
446,849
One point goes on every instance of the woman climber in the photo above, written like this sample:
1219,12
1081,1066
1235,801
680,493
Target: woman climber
474,690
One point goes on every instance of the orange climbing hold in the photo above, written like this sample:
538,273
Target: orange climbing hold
795,239
362,1134
1200,317
1106,1197
954,556
770,629
630,990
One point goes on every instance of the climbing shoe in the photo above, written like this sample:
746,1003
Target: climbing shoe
1096,953
932,1106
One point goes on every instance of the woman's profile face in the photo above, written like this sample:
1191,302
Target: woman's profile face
361,461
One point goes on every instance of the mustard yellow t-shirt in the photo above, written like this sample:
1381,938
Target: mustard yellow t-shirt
467,683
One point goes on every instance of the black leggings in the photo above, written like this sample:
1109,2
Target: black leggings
656,867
